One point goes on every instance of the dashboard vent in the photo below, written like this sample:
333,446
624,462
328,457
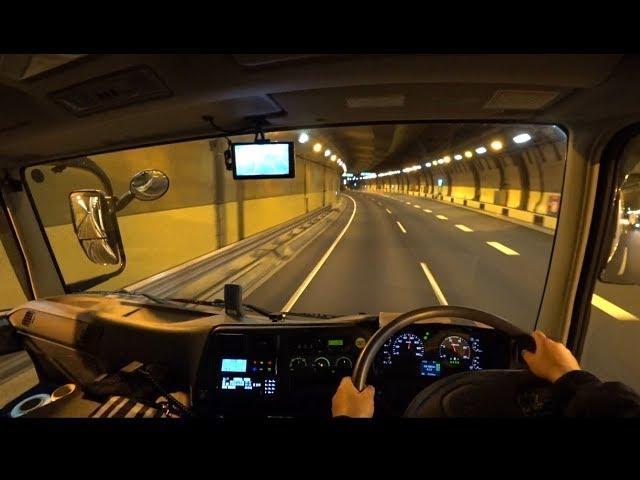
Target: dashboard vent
28,318
116,90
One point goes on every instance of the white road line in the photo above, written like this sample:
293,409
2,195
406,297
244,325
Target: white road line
442,217
502,248
294,298
401,227
416,206
611,308
388,211
464,228
426,210
624,262
436,288
408,203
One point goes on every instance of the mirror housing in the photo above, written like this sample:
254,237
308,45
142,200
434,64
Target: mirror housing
95,225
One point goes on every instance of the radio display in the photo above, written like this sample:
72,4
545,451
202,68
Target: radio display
238,365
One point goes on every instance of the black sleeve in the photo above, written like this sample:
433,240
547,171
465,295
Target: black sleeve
581,394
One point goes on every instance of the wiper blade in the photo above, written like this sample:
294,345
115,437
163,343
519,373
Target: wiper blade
325,316
275,316
132,293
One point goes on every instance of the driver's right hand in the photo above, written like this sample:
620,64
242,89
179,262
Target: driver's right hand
551,360
349,402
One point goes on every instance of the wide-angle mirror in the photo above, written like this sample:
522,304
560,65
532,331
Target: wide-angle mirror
95,226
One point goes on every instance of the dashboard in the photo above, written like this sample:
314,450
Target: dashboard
226,367
294,371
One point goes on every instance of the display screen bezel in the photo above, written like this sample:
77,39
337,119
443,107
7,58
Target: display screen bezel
292,163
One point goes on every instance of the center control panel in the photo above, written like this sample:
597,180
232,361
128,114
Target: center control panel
275,371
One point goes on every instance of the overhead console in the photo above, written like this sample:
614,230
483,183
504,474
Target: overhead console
275,371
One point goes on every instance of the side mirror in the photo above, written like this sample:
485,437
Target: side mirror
149,185
622,263
96,227
145,185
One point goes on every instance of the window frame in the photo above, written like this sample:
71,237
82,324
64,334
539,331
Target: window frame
600,236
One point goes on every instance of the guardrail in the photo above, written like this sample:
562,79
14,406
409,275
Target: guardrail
250,261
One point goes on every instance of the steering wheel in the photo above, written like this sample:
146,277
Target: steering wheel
473,393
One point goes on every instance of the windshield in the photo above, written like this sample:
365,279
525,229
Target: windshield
377,218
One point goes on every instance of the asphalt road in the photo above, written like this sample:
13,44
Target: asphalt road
401,253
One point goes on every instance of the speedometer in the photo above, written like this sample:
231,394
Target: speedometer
407,346
454,350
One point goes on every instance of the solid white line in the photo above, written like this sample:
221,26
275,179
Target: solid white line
426,210
436,288
408,203
611,308
502,248
442,217
401,227
464,228
294,298
624,262
417,206
388,211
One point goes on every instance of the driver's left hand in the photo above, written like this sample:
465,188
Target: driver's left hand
349,402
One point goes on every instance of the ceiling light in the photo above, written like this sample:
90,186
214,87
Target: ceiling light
496,145
303,138
327,152
317,147
428,164
333,157
458,157
523,137
481,150
447,159
468,154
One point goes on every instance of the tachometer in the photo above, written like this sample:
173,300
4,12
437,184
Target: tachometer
455,350
407,345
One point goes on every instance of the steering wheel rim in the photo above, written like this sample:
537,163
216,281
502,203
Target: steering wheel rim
380,337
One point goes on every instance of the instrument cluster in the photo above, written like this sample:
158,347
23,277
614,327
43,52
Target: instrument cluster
436,350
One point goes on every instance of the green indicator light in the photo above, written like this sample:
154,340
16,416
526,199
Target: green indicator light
336,343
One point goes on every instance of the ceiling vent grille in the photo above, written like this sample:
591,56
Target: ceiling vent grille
116,90
520,99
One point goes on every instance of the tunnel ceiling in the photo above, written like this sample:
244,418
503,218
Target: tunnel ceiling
381,147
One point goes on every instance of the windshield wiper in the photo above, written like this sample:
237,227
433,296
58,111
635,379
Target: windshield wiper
275,316
218,302
132,293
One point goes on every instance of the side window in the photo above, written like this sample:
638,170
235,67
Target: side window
613,337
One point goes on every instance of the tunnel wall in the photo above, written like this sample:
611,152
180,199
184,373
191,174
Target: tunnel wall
204,209
527,182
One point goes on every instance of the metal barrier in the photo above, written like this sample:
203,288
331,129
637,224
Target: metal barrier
250,261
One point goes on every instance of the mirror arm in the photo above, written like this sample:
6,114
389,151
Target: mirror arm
85,163
123,201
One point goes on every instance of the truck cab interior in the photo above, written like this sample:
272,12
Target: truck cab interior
229,235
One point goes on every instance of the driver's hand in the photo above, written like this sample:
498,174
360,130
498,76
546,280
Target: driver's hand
349,402
552,359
